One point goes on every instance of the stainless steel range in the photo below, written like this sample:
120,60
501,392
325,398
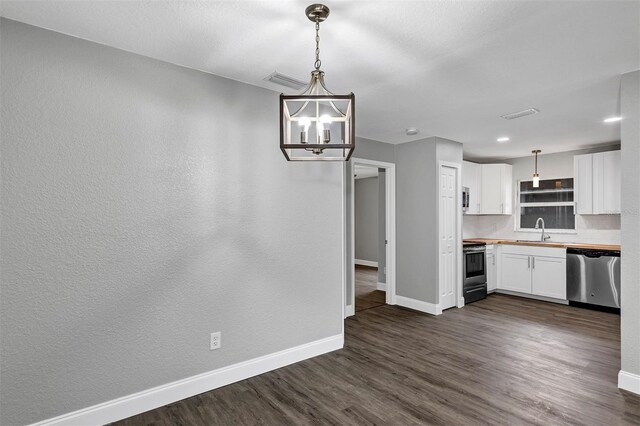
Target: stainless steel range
474,272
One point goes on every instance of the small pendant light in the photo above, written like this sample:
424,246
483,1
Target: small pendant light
316,124
536,176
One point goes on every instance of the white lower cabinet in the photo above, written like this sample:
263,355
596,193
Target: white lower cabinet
516,272
540,271
492,268
548,277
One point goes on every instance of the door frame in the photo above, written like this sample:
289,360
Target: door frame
390,230
458,288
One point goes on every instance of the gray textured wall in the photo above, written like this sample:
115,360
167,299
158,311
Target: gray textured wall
366,219
141,212
416,220
417,215
630,238
382,225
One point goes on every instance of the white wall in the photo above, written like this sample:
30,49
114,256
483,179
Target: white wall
603,229
141,211
630,260
366,209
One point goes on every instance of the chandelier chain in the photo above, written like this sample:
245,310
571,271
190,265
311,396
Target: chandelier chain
318,62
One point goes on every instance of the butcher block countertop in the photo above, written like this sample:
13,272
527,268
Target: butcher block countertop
545,244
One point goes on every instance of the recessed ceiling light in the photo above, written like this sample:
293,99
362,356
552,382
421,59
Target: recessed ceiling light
612,119
412,131
503,139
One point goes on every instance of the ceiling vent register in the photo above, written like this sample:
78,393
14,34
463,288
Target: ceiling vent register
286,81
523,113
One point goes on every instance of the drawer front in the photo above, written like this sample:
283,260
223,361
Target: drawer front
559,252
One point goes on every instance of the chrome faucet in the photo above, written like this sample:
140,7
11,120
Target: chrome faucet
543,237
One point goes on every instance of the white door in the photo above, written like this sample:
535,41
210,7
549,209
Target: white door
448,229
611,182
491,192
471,178
583,183
549,277
516,272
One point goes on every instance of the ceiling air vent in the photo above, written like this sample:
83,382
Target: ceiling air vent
519,114
285,80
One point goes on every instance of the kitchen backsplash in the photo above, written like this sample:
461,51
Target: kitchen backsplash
602,229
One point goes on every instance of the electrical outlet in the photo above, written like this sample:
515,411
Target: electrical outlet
216,341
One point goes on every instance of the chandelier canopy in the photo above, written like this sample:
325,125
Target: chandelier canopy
316,124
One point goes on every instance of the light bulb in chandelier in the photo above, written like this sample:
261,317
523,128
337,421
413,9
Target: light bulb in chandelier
305,122
325,128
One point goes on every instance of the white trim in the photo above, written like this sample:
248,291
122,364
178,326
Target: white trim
419,305
382,286
518,204
349,311
363,262
344,249
629,381
390,227
149,399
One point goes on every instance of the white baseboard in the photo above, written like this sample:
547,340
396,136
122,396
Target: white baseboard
149,399
418,305
366,263
382,286
629,382
349,311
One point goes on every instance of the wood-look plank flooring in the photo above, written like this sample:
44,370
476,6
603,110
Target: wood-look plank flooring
502,360
367,294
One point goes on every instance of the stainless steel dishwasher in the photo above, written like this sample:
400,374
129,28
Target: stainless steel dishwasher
593,277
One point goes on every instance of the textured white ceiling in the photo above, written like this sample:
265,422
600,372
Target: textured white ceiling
448,68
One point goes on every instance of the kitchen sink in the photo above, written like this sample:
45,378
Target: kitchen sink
535,241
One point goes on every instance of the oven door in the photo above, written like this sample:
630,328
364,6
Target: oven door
474,267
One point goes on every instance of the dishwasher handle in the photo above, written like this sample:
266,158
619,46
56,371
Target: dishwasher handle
592,253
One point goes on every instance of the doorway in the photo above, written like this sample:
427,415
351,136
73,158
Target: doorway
370,274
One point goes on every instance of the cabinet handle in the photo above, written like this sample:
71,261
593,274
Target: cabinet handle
528,262
533,262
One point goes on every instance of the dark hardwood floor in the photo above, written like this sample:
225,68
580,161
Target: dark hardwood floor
367,294
502,360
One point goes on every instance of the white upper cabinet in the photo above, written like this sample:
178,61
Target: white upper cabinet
497,189
606,182
471,178
583,183
597,183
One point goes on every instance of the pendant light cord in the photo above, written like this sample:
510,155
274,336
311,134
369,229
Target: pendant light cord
318,62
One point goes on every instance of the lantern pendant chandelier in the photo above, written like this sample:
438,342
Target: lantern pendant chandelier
536,176
316,124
